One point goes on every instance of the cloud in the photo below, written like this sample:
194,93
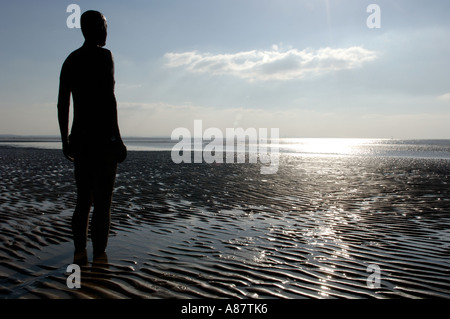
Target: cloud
275,64
444,97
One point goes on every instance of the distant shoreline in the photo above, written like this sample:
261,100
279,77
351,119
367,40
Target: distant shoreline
315,147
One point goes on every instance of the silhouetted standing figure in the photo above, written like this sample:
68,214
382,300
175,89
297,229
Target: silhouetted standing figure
94,144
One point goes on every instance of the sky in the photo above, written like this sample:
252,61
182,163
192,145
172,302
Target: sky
312,68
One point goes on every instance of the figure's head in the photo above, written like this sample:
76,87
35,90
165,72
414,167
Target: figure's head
94,27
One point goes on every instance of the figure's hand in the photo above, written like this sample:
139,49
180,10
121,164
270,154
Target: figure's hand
68,151
122,153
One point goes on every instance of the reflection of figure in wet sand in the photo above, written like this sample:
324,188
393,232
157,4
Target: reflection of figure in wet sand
94,145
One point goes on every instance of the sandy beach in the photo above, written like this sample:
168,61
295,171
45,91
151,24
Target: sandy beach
226,231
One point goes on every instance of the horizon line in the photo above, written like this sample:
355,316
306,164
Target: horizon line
14,137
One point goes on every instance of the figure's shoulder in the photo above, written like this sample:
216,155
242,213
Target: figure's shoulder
73,55
83,54
106,55
105,52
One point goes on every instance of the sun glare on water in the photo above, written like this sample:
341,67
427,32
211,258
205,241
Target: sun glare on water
325,146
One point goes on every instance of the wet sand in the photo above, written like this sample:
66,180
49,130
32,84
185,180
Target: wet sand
226,231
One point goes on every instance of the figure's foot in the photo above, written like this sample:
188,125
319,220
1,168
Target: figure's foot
99,246
100,258
80,257
100,264
99,253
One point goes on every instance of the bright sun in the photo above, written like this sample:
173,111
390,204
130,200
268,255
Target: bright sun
328,146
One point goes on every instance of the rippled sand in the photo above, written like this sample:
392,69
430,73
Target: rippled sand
226,231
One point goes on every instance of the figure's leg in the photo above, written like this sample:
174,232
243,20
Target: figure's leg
80,218
101,217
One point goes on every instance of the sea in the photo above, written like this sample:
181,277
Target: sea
410,148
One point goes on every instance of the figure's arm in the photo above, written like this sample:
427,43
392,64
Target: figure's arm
63,112
116,137
116,131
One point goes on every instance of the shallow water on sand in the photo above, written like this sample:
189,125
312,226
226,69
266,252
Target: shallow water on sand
225,230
